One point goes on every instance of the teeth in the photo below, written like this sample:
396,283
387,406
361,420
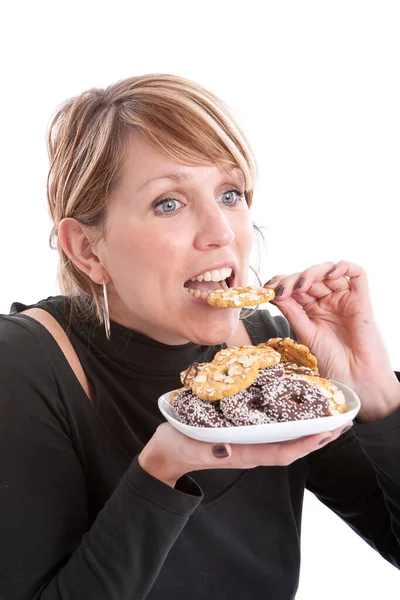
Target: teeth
204,294
215,275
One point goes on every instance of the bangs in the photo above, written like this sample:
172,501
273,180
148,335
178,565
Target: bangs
192,130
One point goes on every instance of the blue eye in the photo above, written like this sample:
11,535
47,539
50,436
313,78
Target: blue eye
232,197
168,206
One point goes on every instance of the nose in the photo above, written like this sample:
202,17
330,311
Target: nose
213,228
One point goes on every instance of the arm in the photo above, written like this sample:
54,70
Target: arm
358,477
330,311
49,549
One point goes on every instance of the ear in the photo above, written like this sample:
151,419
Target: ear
77,243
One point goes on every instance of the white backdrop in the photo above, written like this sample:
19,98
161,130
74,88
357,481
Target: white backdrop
315,85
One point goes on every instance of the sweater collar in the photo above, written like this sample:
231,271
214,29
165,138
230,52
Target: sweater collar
125,346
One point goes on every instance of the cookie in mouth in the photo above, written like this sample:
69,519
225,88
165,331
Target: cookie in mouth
240,297
210,281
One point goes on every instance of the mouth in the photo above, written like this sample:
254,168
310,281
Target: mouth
209,281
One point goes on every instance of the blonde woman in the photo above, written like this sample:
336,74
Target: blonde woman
150,186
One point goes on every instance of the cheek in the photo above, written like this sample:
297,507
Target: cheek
144,253
245,234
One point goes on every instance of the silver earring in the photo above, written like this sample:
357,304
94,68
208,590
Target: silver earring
106,314
245,313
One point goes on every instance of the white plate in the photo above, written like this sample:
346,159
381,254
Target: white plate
260,434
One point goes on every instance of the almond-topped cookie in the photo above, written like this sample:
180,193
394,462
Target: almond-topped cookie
232,370
292,351
240,297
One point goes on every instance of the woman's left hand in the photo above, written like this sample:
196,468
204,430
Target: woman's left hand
329,308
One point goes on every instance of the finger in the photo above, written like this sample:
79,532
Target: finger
291,451
310,274
335,277
327,272
303,327
310,291
283,284
253,455
356,275
309,279
275,281
319,282
279,453
286,285
319,290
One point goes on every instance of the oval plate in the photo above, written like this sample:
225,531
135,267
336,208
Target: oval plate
261,434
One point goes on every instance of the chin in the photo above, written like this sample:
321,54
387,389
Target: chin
216,332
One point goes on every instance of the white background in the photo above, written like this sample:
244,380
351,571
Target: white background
315,86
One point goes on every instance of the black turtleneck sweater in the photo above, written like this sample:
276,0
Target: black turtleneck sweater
80,519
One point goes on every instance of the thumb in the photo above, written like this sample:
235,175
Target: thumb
298,319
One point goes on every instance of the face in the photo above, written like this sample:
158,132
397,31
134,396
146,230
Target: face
169,223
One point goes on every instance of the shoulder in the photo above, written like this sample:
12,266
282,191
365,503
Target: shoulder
35,330
262,326
47,340
29,386
24,353
18,336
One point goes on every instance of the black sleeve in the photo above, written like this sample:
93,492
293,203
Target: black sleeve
261,326
358,477
48,551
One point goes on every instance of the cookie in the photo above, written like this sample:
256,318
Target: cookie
292,368
193,411
232,370
293,352
274,398
246,408
190,373
335,396
294,399
240,297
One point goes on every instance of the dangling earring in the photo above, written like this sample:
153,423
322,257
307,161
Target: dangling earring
106,314
245,313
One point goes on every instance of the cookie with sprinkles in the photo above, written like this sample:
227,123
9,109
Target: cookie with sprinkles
193,411
270,374
294,400
247,408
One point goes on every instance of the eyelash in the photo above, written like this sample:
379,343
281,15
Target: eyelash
240,198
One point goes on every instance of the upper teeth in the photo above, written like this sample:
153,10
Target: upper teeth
215,275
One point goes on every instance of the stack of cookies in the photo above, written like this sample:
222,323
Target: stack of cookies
254,385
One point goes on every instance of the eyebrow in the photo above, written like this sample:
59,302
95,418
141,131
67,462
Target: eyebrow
179,177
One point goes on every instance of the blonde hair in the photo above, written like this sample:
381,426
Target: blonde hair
86,142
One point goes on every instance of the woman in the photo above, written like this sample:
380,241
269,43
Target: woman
150,186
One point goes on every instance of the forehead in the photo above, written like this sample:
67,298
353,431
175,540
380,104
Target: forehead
146,165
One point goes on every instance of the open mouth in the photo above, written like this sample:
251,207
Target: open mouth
210,281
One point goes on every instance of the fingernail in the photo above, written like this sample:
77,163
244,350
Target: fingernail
346,429
279,291
324,441
273,280
300,283
330,271
220,451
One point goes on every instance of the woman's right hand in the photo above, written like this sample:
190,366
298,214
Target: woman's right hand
169,454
